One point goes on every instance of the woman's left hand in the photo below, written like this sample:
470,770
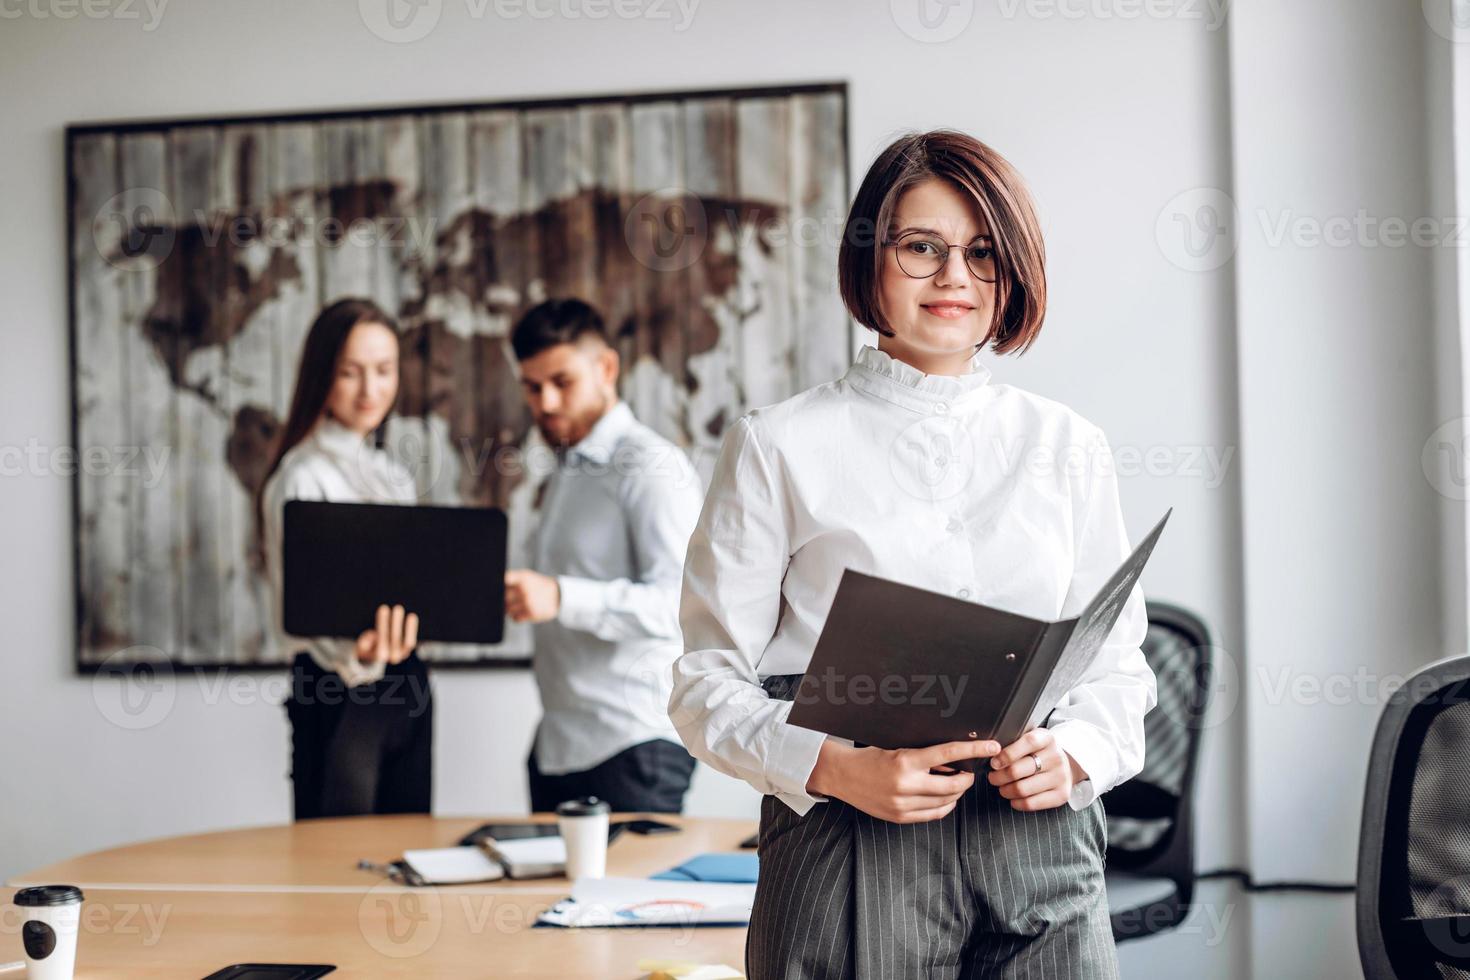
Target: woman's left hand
392,637
1015,771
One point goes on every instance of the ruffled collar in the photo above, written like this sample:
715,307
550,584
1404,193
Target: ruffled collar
337,439
880,374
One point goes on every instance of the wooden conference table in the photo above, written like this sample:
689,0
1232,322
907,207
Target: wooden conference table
187,906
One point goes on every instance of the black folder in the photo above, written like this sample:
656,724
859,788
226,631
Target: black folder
903,667
340,561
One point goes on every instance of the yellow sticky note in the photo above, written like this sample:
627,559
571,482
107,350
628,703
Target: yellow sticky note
681,970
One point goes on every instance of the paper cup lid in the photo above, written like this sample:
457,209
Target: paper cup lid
585,807
42,895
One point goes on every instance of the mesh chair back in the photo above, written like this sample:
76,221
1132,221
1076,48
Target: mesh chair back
1145,813
1416,823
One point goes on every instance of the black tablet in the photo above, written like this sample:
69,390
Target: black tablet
522,831
341,561
271,971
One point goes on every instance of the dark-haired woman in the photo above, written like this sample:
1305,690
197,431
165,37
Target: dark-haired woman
914,466
361,711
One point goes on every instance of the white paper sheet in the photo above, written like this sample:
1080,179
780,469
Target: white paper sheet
645,901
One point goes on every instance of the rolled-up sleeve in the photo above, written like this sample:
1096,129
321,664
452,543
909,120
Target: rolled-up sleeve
729,609
1099,722
660,499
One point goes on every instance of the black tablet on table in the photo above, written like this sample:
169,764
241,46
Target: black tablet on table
447,564
271,971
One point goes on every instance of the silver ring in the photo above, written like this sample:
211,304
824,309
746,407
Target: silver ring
1036,759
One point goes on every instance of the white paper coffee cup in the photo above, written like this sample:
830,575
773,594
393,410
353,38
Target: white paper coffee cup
53,914
583,825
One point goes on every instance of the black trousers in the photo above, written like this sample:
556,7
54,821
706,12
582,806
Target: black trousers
364,749
650,777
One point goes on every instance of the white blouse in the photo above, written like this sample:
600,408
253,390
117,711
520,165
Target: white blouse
331,463
952,484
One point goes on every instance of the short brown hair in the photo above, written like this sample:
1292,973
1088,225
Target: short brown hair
976,169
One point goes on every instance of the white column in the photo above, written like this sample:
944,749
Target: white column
1340,374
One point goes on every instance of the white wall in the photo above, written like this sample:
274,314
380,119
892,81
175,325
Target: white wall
1120,123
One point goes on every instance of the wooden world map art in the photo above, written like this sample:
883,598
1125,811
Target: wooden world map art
704,226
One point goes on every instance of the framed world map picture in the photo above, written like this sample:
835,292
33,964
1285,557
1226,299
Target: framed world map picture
703,225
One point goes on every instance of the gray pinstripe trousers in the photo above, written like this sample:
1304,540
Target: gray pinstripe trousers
987,891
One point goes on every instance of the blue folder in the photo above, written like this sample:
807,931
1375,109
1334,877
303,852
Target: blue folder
737,869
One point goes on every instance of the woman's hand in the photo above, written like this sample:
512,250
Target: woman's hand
896,784
392,639
1026,786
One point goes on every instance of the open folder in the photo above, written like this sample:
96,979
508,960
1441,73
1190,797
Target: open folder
902,667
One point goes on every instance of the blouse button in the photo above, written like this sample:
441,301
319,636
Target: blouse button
941,407
963,593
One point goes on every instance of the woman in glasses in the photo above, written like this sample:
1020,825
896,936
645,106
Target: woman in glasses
913,466
360,710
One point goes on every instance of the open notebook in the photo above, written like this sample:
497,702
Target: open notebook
452,865
531,857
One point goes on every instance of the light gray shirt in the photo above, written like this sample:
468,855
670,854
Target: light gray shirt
615,521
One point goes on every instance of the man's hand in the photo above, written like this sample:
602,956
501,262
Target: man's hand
1015,772
897,785
531,597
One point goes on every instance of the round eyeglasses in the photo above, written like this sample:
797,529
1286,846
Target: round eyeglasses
921,256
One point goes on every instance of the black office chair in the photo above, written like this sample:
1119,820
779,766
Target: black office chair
1150,857
1414,850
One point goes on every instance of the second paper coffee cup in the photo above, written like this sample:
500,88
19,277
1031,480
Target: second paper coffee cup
583,825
